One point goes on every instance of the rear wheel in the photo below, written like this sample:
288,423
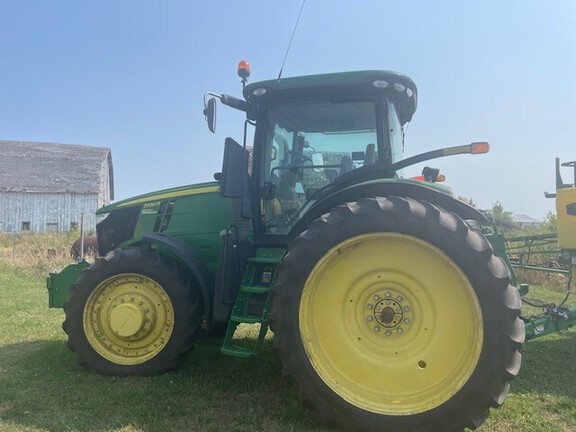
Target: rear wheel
133,312
391,315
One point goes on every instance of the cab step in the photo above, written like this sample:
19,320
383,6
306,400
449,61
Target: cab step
253,302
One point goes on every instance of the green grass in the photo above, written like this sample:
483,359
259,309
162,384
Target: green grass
42,388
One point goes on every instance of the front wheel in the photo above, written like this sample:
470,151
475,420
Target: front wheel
391,315
133,312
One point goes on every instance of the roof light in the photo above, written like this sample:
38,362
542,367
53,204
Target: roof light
380,84
260,91
479,147
399,87
243,69
409,92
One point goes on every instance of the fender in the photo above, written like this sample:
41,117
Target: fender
413,190
194,264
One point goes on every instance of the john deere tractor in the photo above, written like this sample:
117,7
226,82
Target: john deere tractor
389,308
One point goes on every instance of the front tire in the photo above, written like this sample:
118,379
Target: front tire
133,312
391,315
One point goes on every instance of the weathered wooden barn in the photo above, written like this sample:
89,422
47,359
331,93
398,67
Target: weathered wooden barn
48,186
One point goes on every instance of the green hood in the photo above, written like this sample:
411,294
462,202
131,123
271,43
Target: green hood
180,191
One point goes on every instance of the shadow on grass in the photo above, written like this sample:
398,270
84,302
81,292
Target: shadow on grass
42,386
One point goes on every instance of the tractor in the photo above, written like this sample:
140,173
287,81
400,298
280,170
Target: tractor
390,309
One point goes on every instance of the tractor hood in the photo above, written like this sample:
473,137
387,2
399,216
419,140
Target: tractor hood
181,191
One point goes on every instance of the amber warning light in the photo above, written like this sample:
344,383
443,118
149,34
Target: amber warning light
479,147
243,69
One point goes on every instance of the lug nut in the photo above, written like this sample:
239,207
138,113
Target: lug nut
406,308
407,320
399,298
388,333
376,328
388,294
369,306
376,297
399,330
369,317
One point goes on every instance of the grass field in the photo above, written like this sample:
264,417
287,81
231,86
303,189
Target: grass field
43,389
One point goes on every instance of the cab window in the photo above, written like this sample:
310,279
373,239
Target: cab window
308,145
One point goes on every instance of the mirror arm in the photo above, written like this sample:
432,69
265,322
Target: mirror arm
236,103
206,95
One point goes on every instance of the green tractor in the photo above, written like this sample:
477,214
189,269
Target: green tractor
389,308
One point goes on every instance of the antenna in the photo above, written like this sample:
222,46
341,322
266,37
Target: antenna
291,38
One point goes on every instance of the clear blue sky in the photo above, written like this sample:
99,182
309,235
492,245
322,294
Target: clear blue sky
130,75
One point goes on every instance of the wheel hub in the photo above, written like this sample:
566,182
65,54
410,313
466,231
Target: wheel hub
390,312
126,320
130,315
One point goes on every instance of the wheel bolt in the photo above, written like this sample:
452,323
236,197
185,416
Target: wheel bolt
407,320
376,328
399,298
388,295
369,306
388,333
369,317
399,330
388,302
376,297
406,308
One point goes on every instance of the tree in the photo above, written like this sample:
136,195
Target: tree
502,218
468,201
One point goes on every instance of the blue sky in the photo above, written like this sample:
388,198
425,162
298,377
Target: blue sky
130,75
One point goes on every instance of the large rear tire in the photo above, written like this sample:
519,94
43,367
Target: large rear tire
392,315
133,312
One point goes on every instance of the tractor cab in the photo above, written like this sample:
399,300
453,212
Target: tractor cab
315,131
306,145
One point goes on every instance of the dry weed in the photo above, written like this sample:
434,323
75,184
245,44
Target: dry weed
36,253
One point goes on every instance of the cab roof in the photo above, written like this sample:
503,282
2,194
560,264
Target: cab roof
399,86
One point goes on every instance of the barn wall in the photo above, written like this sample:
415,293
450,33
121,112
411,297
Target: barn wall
45,212
104,184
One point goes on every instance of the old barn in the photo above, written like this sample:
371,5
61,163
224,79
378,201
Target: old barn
48,186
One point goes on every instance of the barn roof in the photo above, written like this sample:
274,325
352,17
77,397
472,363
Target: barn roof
52,168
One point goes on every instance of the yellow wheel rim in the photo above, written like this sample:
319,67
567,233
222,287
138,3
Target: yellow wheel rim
390,323
128,319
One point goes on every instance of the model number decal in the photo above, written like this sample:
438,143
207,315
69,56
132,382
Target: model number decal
151,207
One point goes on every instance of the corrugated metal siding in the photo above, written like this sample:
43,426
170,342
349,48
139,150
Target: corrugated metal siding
57,209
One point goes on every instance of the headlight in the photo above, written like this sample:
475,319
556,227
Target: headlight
101,217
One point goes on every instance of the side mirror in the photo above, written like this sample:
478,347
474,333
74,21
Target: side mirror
210,114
